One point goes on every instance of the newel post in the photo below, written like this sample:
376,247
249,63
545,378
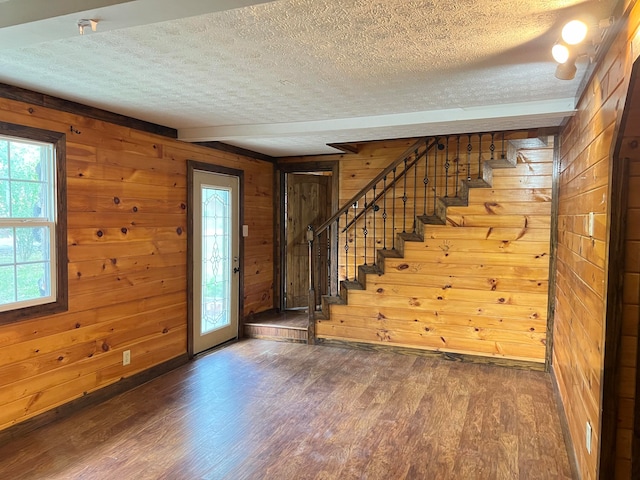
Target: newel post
311,329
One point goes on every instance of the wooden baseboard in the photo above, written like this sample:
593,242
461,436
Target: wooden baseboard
92,398
564,424
455,357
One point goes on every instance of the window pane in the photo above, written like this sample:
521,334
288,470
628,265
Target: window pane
6,247
4,159
33,281
5,198
29,256
26,199
32,244
25,160
7,280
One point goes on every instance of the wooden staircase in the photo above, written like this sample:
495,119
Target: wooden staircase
470,278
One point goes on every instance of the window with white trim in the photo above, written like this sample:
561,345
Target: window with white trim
32,259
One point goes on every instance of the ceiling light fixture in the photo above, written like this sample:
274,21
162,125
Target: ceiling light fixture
567,50
87,22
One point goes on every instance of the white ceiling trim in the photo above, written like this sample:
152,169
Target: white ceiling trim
549,108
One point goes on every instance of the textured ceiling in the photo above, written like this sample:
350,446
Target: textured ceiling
287,77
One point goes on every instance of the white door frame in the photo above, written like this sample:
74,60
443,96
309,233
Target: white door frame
192,167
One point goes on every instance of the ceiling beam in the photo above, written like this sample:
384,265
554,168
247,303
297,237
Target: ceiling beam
32,11
27,23
559,107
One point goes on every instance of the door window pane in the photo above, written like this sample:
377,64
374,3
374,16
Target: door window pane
216,259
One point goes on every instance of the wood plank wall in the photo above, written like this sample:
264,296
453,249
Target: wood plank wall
579,332
127,246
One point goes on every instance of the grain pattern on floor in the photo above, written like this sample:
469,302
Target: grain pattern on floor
271,410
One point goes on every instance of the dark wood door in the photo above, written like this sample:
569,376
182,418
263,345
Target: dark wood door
308,202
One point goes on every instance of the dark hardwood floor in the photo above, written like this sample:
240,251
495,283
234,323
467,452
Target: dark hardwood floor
271,410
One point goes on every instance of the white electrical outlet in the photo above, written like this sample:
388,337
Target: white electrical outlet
126,357
588,437
591,223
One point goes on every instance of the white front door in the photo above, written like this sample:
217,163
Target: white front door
216,274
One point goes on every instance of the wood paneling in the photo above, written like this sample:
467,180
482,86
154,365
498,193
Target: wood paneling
477,285
127,245
580,356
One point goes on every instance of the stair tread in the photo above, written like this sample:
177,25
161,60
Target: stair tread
431,220
368,269
500,163
330,299
350,285
389,253
454,201
410,237
477,183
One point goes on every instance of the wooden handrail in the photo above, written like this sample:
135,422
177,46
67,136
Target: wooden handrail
373,182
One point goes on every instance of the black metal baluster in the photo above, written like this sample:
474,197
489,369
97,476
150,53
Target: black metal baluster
404,198
503,155
328,286
492,147
346,246
374,208
336,239
364,228
393,212
446,171
355,241
384,213
457,165
415,189
425,180
435,175
318,272
479,156
469,148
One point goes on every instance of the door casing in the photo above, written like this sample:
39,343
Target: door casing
206,167
279,235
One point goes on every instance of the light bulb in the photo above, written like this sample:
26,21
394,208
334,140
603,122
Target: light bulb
574,32
560,53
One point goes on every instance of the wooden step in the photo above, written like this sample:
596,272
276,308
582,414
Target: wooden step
276,333
288,326
327,301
